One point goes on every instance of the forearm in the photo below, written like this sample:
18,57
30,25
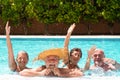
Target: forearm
9,45
87,65
69,32
12,63
66,42
30,73
72,74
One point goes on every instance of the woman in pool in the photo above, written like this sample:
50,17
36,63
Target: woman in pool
75,54
71,62
74,57
22,57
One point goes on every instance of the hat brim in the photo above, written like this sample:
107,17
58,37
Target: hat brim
62,53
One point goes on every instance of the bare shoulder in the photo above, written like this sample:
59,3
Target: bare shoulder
40,68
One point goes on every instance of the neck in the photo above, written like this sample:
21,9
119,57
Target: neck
72,65
20,68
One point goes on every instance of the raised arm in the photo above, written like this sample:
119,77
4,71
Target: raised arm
69,32
66,42
90,53
12,63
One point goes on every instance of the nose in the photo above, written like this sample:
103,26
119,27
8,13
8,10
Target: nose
51,61
22,59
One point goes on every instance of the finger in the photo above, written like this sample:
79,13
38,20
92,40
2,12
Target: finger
47,72
71,28
9,27
7,23
93,47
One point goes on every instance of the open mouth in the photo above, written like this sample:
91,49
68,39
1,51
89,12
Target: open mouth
51,65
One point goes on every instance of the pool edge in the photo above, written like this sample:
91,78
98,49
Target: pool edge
61,36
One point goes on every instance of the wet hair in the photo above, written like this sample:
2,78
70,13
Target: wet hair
24,53
76,49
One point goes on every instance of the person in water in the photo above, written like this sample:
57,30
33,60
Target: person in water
51,58
100,61
74,57
22,58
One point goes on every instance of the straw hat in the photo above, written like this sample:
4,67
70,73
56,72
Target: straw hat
62,53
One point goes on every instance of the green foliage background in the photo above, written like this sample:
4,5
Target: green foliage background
57,11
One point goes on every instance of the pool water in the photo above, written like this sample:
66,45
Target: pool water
35,45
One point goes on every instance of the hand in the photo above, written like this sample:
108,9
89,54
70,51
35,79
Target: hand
76,72
109,61
7,28
71,28
57,72
91,51
46,72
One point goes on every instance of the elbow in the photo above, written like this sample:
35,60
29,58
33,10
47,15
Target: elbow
12,67
23,72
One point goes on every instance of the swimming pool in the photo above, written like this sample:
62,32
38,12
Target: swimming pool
35,44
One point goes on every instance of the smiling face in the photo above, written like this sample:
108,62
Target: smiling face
98,57
75,55
52,61
22,58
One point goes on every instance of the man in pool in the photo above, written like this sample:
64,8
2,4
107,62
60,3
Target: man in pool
22,57
100,61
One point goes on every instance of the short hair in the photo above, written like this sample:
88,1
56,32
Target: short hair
101,51
76,49
24,53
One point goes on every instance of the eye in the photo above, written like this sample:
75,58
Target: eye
95,55
19,57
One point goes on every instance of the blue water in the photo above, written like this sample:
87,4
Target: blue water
33,46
